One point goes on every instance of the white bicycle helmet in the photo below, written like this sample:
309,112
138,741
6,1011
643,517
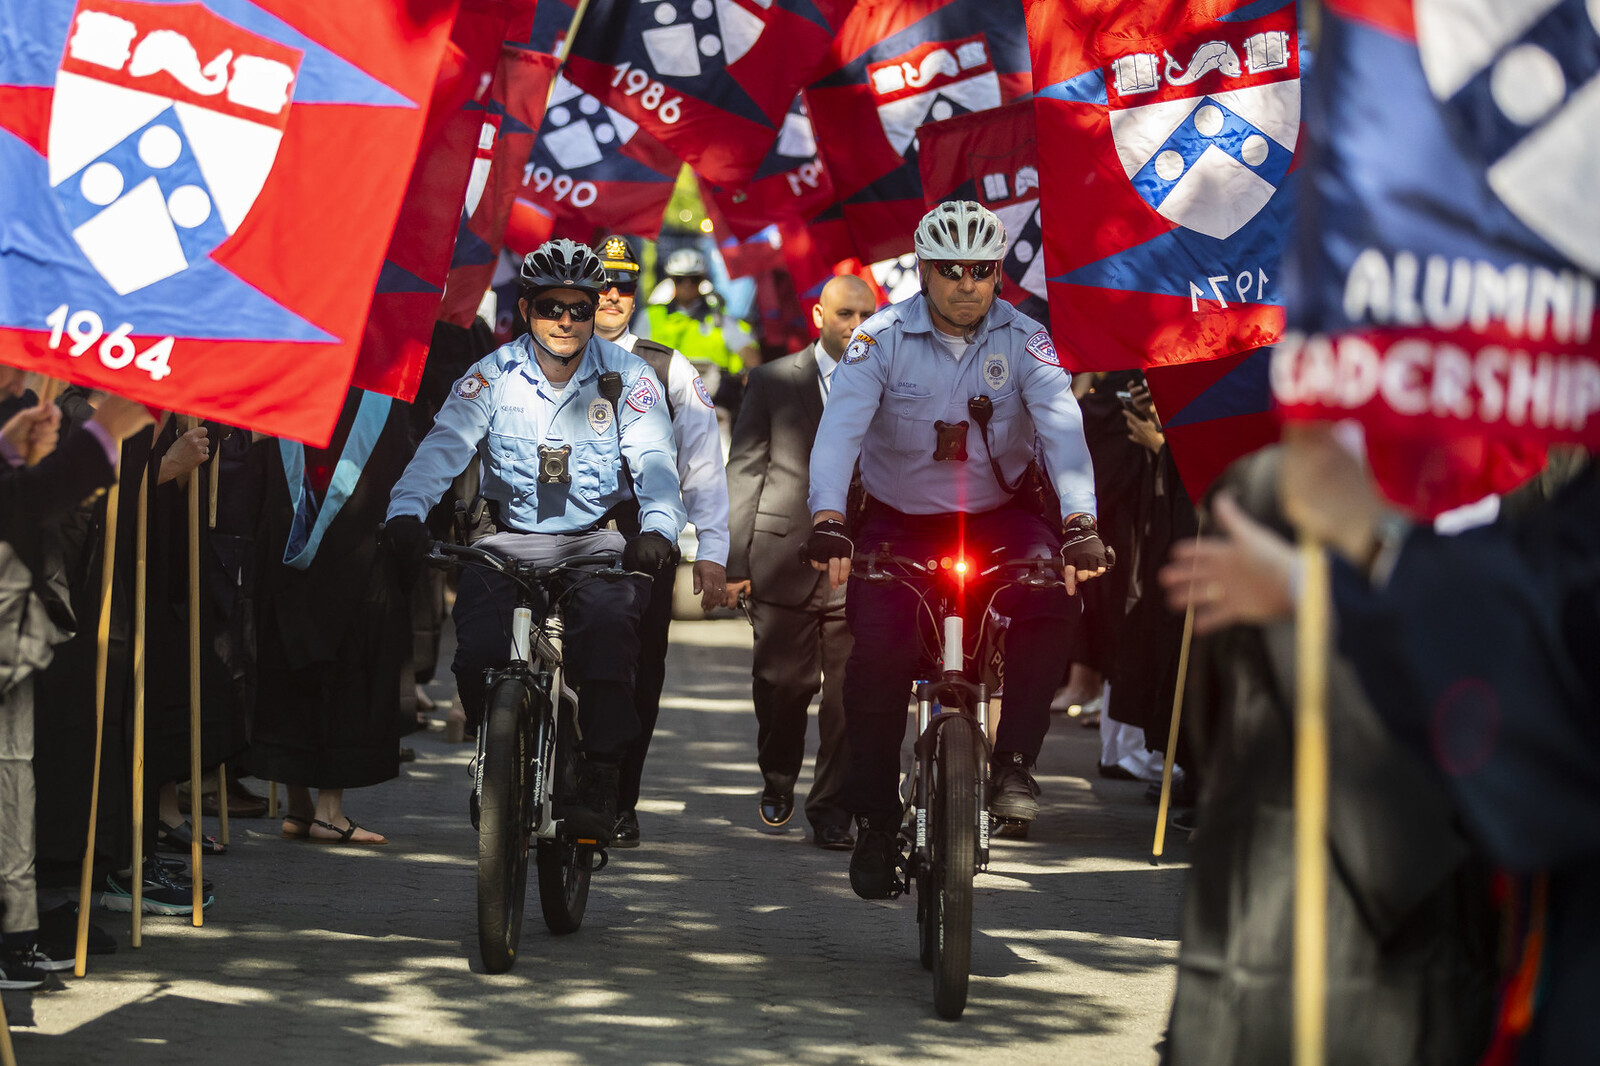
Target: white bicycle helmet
961,230
686,263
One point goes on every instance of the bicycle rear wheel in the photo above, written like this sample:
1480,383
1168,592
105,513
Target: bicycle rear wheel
953,837
504,826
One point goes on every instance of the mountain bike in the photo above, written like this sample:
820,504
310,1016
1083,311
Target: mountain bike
944,837
527,761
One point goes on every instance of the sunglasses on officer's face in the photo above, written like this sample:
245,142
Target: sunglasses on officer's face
549,308
624,288
950,269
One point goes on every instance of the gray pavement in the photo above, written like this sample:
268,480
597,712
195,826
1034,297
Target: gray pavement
710,944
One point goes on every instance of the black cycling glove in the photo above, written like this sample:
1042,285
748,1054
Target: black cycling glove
408,539
828,541
647,553
1082,548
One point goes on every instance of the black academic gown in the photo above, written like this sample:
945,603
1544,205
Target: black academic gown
1481,653
334,638
1412,945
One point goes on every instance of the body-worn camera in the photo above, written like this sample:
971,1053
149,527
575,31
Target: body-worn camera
553,465
950,444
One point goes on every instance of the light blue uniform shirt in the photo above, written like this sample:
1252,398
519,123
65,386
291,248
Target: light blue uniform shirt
896,379
503,408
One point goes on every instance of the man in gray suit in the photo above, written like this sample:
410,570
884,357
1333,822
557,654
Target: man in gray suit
801,639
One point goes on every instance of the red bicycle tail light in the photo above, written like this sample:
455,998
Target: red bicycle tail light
961,566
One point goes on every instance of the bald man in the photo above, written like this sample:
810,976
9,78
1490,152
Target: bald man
801,640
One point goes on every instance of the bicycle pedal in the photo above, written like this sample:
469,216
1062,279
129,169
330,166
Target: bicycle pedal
1012,829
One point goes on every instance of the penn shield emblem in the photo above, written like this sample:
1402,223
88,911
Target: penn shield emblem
860,347
996,371
1206,135
1525,106
165,124
469,387
934,81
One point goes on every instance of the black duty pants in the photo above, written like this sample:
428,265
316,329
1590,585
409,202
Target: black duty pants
601,651
799,650
651,676
891,633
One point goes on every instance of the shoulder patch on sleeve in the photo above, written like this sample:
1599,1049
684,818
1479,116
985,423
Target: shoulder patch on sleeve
469,387
1041,348
644,395
704,393
860,347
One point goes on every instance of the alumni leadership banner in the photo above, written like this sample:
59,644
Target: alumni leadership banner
1167,132
198,196
1444,284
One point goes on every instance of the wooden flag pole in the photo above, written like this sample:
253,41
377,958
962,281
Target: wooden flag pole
1172,731
141,538
195,786
8,1057
1311,809
108,564
222,768
1171,753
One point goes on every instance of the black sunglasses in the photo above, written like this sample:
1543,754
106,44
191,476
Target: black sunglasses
952,270
625,288
547,307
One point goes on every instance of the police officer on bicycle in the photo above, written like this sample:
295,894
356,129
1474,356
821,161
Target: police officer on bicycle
945,398
568,428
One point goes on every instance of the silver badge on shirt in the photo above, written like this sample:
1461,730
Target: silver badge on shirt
996,371
600,415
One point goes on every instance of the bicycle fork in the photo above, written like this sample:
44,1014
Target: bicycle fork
928,693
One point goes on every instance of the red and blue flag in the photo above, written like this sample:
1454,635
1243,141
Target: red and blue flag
593,170
992,157
1444,287
512,113
406,303
198,196
1168,133
791,182
894,67
710,79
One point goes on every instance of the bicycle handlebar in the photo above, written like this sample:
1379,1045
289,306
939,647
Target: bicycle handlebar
444,552
1039,572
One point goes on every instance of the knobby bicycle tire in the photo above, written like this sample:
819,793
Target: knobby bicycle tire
954,834
504,824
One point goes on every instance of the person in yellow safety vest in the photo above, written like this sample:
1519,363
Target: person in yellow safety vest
706,336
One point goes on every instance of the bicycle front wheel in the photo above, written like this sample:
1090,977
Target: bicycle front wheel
504,826
953,838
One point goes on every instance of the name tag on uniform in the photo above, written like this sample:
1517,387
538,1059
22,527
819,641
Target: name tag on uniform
600,415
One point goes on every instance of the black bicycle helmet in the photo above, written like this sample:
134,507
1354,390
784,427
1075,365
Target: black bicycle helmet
562,264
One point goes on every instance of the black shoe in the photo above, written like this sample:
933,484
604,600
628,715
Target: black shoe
161,893
1114,772
832,837
592,814
1182,790
18,972
1183,821
777,808
626,835
58,932
1013,794
874,866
